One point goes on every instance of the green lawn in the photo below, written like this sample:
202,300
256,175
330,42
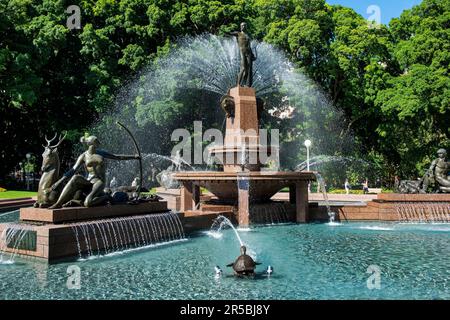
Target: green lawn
17,194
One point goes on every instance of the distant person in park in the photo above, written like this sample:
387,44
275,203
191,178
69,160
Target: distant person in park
396,182
347,186
135,182
366,186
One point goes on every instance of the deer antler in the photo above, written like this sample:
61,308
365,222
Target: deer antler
50,141
61,138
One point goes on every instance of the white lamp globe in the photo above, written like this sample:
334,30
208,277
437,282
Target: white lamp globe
307,143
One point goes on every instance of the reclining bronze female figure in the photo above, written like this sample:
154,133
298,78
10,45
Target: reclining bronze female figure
92,186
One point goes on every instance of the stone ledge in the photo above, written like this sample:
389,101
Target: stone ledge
195,220
417,197
82,213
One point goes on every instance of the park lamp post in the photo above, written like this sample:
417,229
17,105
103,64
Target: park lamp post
22,172
29,175
307,145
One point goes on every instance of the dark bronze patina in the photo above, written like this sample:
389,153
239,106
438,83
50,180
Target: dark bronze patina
437,174
244,264
227,104
245,76
435,179
50,174
87,191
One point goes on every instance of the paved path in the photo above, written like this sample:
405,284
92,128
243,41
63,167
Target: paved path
314,197
331,197
14,204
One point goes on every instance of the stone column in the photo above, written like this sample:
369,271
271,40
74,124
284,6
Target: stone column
292,194
195,196
190,196
242,132
244,201
301,201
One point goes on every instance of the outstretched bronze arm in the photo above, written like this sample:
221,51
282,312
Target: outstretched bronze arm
112,156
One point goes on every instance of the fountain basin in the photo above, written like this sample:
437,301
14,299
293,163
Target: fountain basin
244,189
71,232
312,261
81,213
262,184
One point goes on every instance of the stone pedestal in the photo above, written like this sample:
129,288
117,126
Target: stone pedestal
53,234
243,126
298,195
242,184
72,214
244,201
241,150
190,196
243,190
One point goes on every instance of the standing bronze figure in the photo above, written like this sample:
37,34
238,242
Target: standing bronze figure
92,186
245,77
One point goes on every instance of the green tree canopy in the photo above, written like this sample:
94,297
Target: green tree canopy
391,83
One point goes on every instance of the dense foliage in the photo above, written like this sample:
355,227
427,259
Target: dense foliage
391,82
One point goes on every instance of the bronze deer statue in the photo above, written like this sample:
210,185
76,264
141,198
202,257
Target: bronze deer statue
50,174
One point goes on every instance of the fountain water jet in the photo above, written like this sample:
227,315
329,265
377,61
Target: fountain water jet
206,66
220,222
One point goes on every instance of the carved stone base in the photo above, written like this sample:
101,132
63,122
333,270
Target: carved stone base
42,233
82,213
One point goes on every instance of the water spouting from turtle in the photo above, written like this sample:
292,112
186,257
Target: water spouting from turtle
220,223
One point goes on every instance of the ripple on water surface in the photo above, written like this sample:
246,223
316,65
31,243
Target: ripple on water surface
310,261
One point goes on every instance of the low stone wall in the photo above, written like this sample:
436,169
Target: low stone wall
369,212
202,220
14,204
83,214
386,208
53,242
101,230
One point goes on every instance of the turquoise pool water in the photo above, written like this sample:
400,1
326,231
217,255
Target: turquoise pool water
311,261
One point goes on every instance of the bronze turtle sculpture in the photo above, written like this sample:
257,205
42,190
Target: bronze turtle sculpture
244,264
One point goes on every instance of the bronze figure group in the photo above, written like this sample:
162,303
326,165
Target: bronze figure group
77,189
435,180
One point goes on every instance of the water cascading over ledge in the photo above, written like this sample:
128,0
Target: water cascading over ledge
76,237
272,213
15,237
111,235
434,212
